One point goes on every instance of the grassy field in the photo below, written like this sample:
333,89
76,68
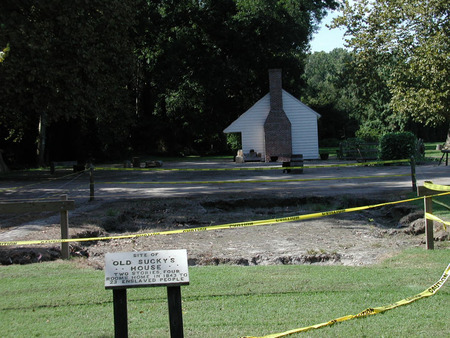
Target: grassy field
63,299
431,152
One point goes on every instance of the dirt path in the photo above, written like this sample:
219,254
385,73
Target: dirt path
349,238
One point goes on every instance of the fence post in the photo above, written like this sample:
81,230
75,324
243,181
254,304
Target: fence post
413,174
91,183
428,204
64,230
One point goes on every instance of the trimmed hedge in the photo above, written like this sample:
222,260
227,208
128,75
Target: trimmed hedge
397,146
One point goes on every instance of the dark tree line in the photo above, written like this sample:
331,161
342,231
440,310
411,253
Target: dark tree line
106,78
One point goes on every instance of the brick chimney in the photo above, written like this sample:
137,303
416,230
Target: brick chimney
277,127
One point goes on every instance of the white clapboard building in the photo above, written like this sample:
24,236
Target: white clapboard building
278,125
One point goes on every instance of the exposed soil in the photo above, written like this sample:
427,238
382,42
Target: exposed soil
355,238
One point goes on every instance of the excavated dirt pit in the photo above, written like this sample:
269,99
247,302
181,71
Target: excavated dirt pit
355,238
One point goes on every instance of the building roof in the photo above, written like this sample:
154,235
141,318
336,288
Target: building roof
257,114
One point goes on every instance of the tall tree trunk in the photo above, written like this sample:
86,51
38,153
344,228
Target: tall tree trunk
42,136
447,142
3,167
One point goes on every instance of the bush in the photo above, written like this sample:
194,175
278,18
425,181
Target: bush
234,141
397,146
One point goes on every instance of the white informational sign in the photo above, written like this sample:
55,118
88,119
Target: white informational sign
147,268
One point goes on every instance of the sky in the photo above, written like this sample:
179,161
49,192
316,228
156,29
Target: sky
327,39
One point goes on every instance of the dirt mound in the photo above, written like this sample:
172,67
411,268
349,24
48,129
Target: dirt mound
29,255
348,238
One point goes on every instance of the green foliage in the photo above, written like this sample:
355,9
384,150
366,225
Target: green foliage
329,92
402,56
153,76
206,63
4,52
368,134
396,146
234,141
69,61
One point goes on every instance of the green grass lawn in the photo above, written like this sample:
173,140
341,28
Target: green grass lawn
62,299
430,150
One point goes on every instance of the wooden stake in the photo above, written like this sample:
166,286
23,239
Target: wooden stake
64,230
91,184
413,174
428,205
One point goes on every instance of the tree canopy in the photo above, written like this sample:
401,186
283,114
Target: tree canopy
71,61
206,63
330,92
144,75
403,45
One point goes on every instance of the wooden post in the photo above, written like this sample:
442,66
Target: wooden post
91,184
120,313
413,174
64,230
175,312
428,205
136,162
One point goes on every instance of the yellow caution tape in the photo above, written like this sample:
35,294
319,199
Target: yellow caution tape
437,187
254,168
255,181
370,311
437,219
214,227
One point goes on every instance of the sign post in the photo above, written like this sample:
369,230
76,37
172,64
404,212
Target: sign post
145,269
175,312
120,313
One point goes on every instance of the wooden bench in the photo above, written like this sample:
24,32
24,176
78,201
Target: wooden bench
445,153
66,164
296,160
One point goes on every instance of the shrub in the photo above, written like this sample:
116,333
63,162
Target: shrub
397,146
234,141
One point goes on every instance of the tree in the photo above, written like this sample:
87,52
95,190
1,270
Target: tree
68,61
330,93
206,62
156,75
407,41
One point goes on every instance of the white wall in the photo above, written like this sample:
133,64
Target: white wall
251,125
304,127
303,123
